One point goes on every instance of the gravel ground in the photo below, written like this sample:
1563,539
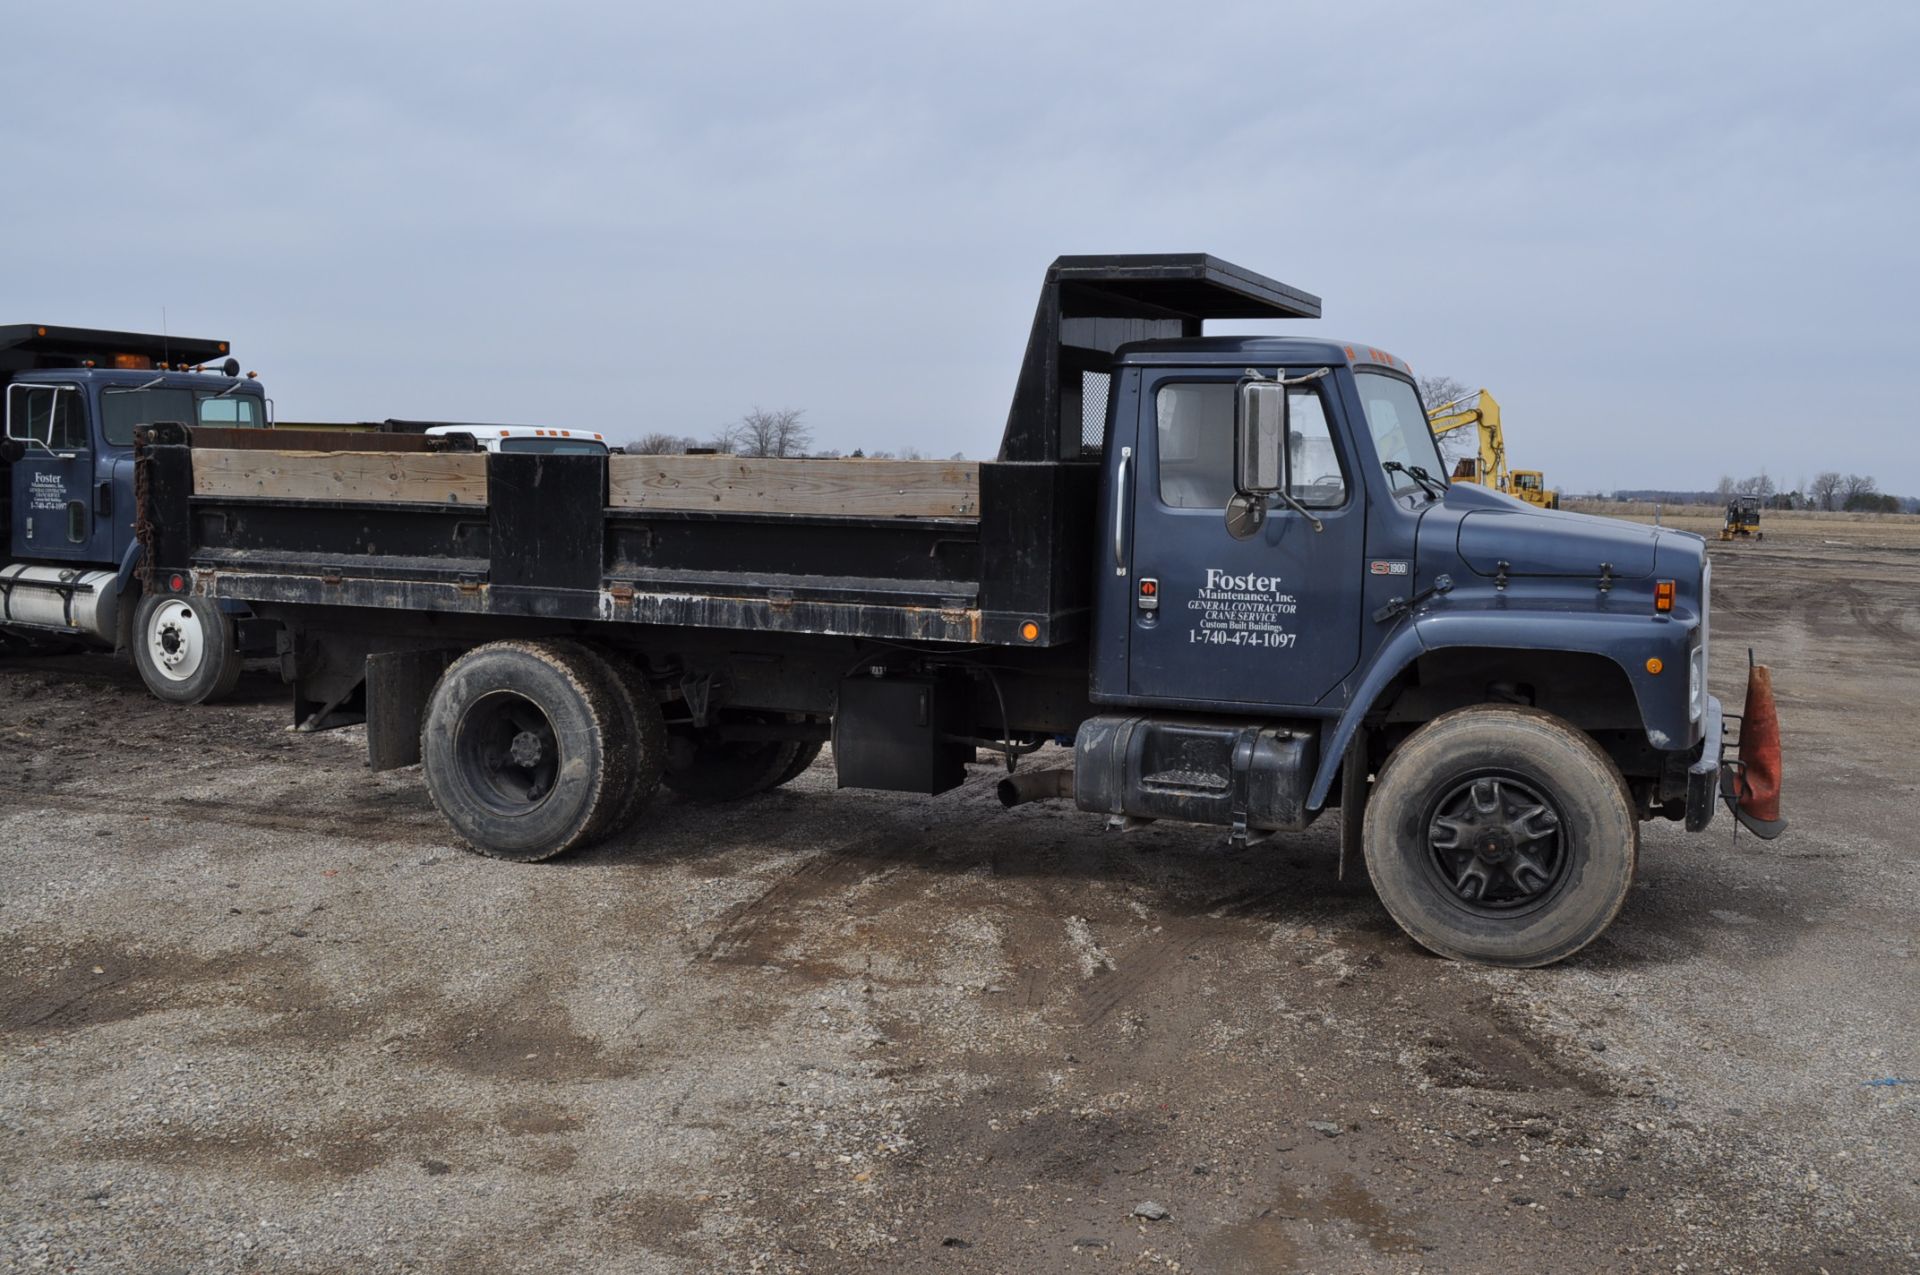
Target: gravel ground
260,1013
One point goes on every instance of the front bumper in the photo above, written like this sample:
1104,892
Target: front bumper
1703,774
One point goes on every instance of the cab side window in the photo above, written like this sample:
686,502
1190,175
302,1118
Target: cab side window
1196,444
55,418
1195,434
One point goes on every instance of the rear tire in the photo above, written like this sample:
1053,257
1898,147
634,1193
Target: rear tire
1501,835
705,768
524,747
805,754
646,731
184,648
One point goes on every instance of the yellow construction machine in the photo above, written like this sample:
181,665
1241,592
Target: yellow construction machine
1489,467
1743,519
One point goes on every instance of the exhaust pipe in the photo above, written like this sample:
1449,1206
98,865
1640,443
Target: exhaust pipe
1036,785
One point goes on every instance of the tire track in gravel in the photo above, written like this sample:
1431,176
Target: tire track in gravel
360,825
757,931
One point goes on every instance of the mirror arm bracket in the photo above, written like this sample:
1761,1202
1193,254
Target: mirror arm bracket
1300,509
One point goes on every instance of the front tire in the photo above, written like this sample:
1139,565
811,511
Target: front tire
1501,835
525,749
184,648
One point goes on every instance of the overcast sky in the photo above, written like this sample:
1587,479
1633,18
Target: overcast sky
1675,240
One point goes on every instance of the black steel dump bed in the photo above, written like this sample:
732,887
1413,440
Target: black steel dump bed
997,552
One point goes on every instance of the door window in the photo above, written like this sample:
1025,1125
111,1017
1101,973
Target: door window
54,418
1195,421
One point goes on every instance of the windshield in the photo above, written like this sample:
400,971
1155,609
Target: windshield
123,411
554,446
1399,428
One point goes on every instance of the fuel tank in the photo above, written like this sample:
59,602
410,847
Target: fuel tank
63,599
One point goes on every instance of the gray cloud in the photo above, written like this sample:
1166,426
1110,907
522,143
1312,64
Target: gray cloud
1674,239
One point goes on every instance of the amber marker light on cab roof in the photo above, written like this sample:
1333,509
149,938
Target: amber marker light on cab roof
1663,596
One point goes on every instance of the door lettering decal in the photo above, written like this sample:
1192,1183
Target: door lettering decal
1242,610
47,491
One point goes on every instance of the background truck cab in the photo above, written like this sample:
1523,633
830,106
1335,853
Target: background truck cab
69,558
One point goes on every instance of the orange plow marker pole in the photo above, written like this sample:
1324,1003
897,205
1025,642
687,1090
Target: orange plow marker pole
1758,805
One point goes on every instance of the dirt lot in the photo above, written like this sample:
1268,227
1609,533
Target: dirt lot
261,1013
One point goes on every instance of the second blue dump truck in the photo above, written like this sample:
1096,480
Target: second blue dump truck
1230,569
69,557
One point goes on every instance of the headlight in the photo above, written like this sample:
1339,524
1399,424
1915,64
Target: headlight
1697,662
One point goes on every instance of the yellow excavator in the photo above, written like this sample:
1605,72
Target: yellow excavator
1489,467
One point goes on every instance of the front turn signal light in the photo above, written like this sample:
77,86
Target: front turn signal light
1663,596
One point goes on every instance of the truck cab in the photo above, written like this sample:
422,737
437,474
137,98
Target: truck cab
527,439
69,556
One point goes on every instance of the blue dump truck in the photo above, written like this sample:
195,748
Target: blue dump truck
1230,570
69,558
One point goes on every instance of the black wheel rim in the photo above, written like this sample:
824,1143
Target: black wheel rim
1496,844
508,752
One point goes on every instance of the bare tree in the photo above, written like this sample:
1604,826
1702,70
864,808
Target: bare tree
1759,485
1854,486
773,433
1725,488
660,445
1825,488
1439,391
1859,492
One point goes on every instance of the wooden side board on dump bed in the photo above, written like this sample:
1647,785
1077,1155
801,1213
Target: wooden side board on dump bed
720,484
884,549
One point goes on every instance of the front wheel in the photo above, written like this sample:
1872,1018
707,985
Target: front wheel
1501,835
184,648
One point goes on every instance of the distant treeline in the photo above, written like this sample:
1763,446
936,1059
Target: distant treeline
1866,501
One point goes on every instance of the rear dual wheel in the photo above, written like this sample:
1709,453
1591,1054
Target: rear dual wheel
533,748
1501,835
704,766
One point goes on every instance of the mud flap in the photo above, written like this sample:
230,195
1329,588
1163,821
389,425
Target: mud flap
1353,805
399,684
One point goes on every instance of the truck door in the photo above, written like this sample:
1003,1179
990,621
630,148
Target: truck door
1271,620
52,483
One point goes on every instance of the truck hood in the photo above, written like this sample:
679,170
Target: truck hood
1496,529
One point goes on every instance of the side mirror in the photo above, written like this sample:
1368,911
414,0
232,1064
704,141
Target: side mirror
1260,439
